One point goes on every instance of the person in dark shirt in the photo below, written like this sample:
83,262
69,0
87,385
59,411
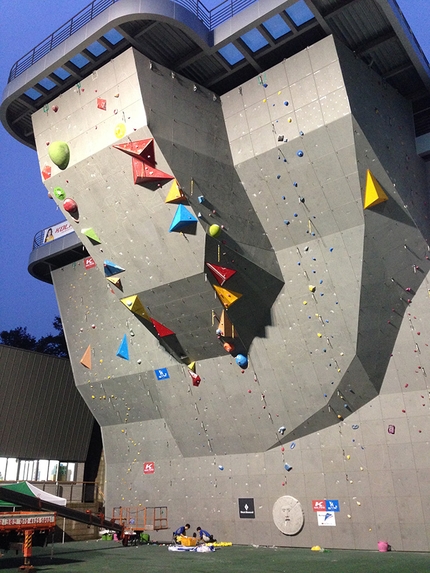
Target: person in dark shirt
205,535
180,531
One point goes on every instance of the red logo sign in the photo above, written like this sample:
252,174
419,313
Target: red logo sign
89,263
318,505
149,467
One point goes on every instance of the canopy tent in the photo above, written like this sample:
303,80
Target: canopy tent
33,491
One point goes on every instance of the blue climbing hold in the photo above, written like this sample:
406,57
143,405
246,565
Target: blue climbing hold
285,103
296,215
286,222
300,153
292,445
242,361
278,177
288,467
295,184
122,351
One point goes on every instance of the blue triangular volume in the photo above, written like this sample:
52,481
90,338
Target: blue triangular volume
182,218
123,349
112,269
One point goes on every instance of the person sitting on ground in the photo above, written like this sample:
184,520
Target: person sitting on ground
180,531
205,536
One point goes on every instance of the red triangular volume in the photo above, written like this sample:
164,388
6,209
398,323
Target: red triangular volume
142,149
221,274
143,172
195,378
161,329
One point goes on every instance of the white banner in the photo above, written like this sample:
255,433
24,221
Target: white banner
326,518
56,231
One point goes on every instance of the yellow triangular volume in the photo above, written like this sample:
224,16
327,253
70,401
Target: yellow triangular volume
86,358
133,303
115,281
175,194
227,297
192,366
225,326
373,194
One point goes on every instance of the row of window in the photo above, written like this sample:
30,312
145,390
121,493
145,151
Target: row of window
14,469
276,26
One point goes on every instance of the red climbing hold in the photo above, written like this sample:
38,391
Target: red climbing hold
221,274
161,329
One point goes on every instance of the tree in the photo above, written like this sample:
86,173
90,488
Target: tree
54,344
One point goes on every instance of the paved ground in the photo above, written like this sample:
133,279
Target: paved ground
111,557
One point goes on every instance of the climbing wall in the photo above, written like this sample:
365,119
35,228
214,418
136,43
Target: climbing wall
251,323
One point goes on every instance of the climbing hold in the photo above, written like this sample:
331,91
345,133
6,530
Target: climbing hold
92,235
195,378
200,199
221,274
134,304
242,361
292,445
143,172
225,326
288,467
182,218
120,130
86,358
54,108
282,430
227,297
46,172
214,231
116,282
70,205
192,366
355,426
59,153
290,119
278,177
300,153
175,194
111,268
285,103
373,193
59,193
312,288
286,221
319,334
221,468
161,329
122,351
228,347
101,103
391,429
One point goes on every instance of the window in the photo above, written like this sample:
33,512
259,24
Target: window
113,37
299,13
96,49
254,40
276,26
80,61
231,54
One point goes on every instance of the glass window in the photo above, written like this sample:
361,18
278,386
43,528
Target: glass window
42,472
96,49
47,83
53,470
3,464
12,469
80,61
277,27
299,13
61,73
231,54
33,94
254,40
113,36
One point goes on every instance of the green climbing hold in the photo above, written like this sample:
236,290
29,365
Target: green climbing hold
59,193
59,154
214,231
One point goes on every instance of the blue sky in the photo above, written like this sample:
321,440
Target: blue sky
24,205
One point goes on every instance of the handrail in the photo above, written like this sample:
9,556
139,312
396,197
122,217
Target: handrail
210,18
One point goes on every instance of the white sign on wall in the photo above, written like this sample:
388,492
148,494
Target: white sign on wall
326,518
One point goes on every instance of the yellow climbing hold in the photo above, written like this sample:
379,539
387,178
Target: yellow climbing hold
227,297
319,335
305,302
133,303
312,288
192,366
373,194
120,130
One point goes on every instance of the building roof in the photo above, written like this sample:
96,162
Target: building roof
219,48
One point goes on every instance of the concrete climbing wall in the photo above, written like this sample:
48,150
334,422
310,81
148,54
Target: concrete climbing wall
332,299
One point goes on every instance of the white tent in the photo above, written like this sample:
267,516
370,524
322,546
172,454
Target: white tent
30,489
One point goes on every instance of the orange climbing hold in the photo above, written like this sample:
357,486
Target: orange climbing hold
142,149
373,194
225,326
227,297
116,282
144,172
86,358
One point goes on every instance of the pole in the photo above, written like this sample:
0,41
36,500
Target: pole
28,535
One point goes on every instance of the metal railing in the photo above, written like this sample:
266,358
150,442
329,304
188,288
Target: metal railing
141,518
210,18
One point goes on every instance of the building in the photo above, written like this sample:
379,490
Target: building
246,297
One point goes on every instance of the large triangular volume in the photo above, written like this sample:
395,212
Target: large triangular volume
373,194
134,304
175,194
86,358
225,326
182,219
227,297
143,172
221,274
142,149
122,351
115,281
161,329
92,235
112,269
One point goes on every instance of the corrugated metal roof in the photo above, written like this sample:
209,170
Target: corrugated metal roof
43,416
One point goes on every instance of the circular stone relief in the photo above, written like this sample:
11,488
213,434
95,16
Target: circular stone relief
288,515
